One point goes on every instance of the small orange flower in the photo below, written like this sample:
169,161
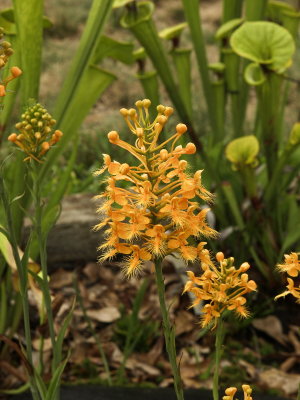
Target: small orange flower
223,287
291,266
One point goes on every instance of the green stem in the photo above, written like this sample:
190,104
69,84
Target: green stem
192,15
255,9
23,277
269,97
168,328
218,354
42,239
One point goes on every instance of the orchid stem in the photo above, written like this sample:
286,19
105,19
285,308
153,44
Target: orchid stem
169,331
218,354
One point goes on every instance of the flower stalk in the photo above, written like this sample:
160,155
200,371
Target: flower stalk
169,331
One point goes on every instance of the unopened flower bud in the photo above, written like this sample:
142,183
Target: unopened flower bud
38,135
163,154
168,111
124,112
15,71
5,44
190,148
160,109
132,112
113,136
2,91
183,164
162,119
12,137
220,256
244,267
231,391
146,103
139,103
28,127
58,133
247,389
45,146
181,128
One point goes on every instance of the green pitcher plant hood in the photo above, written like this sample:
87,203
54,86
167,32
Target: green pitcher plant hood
264,43
243,151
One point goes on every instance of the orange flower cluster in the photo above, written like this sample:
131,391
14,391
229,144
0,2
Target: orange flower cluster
291,266
223,287
36,133
151,209
5,52
230,392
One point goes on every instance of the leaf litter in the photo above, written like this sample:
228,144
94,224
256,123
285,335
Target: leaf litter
108,299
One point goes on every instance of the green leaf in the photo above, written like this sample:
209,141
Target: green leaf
294,138
254,75
226,29
109,47
172,32
62,332
55,381
19,390
264,43
243,150
121,3
89,42
276,9
29,22
140,54
217,67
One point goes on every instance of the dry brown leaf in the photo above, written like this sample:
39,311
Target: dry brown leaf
61,278
275,379
288,364
251,370
106,314
133,364
91,271
271,325
294,340
184,322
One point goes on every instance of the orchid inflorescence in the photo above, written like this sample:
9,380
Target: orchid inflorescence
223,287
36,133
157,213
5,52
291,266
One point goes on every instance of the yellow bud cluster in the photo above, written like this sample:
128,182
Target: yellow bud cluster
36,134
5,52
152,207
231,391
291,266
223,288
